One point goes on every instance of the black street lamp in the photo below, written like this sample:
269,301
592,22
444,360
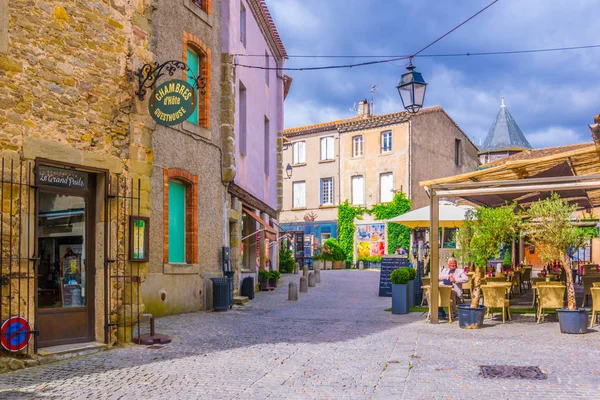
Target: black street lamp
415,249
412,89
288,171
426,250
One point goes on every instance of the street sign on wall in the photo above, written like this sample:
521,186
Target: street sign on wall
172,102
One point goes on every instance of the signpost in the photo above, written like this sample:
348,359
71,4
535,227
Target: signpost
16,334
172,102
388,264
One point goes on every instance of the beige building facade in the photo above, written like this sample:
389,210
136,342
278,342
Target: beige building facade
373,157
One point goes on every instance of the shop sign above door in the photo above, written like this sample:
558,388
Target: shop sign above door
66,178
172,102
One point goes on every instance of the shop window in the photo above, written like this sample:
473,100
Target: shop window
181,222
357,146
197,57
203,4
449,238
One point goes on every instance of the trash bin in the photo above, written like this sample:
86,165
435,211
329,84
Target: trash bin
229,275
220,294
248,287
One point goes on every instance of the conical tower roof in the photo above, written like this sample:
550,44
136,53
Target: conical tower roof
504,134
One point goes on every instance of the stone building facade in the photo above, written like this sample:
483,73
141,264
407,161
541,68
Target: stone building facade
373,157
187,158
77,159
252,127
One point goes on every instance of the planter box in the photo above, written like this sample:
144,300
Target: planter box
339,264
273,282
263,283
573,321
470,318
318,264
399,299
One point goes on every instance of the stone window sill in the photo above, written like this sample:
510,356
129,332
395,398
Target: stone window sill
326,161
196,130
298,208
387,153
199,12
246,271
299,165
327,206
181,269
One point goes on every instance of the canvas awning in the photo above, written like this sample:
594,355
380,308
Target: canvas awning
451,216
269,231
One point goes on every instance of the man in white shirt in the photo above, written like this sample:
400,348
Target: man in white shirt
456,277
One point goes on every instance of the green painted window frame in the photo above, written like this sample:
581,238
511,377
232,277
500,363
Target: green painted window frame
193,62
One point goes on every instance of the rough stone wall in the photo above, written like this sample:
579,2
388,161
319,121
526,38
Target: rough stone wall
67,91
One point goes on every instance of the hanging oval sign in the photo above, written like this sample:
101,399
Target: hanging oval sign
172,102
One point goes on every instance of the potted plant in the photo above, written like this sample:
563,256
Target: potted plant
374,261
273,278
286,261
506,262
399,278
318,259
263,279
488,229
551,230
411,286
332,251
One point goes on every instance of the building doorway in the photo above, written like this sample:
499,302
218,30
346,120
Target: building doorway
66,247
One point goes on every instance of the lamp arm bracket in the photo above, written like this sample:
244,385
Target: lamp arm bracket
149,74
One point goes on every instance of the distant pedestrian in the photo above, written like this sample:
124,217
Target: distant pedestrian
400,251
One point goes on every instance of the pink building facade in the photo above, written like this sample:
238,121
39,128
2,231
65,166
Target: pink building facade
250,38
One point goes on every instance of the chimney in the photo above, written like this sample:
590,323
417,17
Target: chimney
595,128
364,109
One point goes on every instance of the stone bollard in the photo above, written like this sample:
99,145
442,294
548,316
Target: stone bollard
311,279
305,271
293,292
318,276
361,265
303,284
296,268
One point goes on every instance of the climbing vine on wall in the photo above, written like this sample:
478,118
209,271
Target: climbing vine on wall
398,235
346,215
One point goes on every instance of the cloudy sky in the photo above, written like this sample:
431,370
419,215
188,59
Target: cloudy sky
552,96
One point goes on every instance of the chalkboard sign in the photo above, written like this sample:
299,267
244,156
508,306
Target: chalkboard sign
388,264
299,249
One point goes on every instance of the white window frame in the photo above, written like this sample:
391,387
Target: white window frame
358,147
385,138
327,148
329,200
389,192
353,191
301,203
299,157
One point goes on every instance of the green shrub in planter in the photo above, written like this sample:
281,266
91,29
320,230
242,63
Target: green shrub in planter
274,275
263,275
400,276
332,251
286,261
412,273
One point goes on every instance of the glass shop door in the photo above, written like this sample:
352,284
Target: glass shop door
65,284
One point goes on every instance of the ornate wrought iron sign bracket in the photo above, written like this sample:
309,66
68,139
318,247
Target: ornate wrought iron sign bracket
149,74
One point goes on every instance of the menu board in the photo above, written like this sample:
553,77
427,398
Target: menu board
299,249
388,264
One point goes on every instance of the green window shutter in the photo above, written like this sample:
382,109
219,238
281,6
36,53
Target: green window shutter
176,222
193,61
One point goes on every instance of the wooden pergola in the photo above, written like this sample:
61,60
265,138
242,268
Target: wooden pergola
573,172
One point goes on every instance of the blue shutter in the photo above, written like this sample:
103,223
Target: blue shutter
193,62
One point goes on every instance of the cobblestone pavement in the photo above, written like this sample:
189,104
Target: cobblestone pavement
336,342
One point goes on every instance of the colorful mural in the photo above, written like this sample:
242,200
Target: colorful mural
370,240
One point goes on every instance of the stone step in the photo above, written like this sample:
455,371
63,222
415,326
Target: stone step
66,351
240,300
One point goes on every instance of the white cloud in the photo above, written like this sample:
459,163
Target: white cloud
556,136
295,15
299,113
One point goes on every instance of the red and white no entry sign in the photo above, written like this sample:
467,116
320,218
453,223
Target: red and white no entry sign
15,333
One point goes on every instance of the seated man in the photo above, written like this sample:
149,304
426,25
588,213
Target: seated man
456,277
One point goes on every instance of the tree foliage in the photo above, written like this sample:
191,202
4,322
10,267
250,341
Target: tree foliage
551,229
346,215
465,234
398,235
491,228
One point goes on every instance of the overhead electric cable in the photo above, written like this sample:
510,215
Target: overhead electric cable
371,62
